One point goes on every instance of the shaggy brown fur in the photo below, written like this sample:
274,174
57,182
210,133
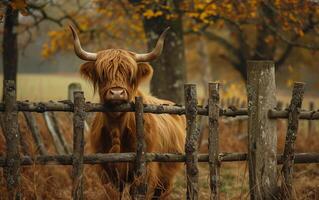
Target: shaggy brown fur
116,132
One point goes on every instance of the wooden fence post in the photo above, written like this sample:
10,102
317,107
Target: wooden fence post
140,162
191,146
293,123
12,169
213,139
73,87
78,144
262,144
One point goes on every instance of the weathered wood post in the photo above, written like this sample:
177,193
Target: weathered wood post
191,146
140,162
293,123
73,87
262,137
12,169
213,139
78,144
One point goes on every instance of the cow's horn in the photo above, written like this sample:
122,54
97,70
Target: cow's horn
84,55
156,51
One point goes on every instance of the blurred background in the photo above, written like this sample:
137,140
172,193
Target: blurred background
209,40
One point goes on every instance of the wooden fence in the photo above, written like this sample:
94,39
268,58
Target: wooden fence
262,155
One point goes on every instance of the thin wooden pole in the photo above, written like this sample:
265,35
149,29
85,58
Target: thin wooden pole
213,139
140,162
262,136
23,143
289,151
35,132
12,170
67,106
56,141
300,158
78,144
191,146
63,142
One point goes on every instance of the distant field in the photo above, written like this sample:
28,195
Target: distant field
44,87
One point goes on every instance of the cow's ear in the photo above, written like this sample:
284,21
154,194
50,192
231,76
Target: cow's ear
88,71
144,72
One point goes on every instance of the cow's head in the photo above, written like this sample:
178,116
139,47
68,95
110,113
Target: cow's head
116,73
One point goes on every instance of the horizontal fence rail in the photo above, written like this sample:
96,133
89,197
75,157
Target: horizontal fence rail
68,106
300,158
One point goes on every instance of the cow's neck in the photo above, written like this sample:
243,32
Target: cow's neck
120,120
119,124
117,120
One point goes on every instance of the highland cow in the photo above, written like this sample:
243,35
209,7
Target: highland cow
117,74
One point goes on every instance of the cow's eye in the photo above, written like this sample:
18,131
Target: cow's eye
102,81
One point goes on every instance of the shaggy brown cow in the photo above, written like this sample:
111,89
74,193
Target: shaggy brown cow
117,74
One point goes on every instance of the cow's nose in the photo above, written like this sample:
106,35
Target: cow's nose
116,94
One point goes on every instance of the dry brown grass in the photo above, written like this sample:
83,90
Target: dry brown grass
54,182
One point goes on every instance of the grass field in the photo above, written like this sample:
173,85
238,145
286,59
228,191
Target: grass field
45,87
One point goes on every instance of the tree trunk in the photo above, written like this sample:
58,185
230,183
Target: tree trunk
265,41
266,44
10,45
169,69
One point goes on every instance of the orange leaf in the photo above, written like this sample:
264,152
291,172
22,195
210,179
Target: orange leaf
18,4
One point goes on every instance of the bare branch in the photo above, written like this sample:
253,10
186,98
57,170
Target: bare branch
289,47
222,41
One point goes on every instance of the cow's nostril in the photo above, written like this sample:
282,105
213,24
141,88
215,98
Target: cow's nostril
112,92
116,94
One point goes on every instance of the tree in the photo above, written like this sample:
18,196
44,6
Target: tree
10,45
170,68
259,29
12,28
10,40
